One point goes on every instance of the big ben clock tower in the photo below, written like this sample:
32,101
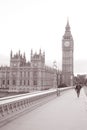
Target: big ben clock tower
67,56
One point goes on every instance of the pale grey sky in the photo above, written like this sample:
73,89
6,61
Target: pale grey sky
35,24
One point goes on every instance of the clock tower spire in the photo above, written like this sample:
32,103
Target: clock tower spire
67,34
67,56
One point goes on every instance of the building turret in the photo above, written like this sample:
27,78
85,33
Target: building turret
38,59
11,54
19,52
24,55
40,51
17,60
31,53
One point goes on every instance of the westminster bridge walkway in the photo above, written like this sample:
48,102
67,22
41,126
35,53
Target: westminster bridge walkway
65,112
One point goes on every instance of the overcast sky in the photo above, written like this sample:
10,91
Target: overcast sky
35,24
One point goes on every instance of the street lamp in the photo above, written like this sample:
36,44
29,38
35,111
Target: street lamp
58,92
57,78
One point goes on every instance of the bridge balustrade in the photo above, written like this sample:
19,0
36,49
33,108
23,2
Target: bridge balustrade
14,106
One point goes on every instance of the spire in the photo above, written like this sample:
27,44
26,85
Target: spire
67,20
67,25
44,53
67,34
24,55
31,52
40,51
11,54
19,52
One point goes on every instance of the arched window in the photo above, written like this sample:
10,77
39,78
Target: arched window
24,82
20,82
14,82
8,82
28,74
28,82
3,82
35,82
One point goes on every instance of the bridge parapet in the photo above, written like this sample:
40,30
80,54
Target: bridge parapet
14,106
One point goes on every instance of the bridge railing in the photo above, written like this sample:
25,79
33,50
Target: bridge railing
13,106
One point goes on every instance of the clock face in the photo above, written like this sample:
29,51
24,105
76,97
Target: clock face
67,44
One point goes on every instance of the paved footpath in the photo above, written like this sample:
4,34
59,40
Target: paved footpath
66,112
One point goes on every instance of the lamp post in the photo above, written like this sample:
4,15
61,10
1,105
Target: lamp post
57,82
57,77
58,92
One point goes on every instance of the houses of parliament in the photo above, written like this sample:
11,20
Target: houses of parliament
23,76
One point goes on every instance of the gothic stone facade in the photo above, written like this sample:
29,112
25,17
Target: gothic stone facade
22,76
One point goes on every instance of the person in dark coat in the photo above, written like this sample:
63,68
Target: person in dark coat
78,88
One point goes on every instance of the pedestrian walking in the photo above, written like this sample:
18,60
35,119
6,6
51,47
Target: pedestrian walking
78,88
